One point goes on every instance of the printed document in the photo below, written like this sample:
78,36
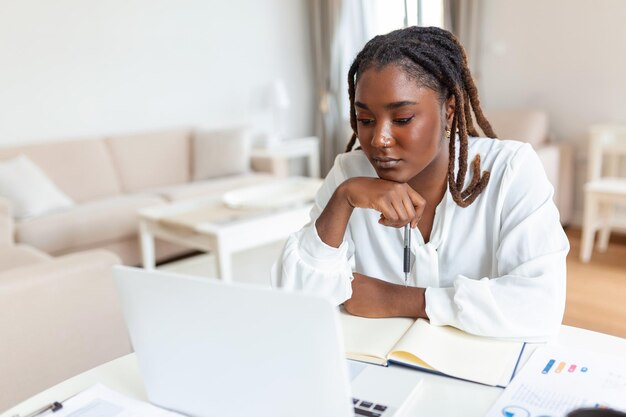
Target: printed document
100,401
557,380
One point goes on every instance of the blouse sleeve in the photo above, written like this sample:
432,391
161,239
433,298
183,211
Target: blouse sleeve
307,263
527,298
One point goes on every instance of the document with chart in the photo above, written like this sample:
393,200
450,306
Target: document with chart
557,380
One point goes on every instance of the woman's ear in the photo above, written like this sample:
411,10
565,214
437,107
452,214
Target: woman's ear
450,107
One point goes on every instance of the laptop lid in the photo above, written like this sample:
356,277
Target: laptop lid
206,348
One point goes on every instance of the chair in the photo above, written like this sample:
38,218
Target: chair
605,190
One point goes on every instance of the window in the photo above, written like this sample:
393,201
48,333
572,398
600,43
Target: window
364,19
383,16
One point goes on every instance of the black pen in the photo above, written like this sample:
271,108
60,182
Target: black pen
407,253
54,407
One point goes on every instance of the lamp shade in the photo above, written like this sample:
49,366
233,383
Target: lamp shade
278,96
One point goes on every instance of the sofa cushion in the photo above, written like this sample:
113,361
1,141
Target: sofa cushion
214,186
85,225
218,153
152,159
82,169
29,190
523,125
13,256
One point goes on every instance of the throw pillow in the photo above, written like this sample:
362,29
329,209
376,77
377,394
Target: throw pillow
219,153
29,190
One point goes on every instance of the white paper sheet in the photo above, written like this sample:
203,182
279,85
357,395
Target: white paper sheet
557,380
100,401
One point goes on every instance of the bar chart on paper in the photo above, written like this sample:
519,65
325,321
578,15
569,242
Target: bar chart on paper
557,380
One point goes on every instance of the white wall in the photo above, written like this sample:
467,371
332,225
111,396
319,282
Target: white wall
71,68
565,56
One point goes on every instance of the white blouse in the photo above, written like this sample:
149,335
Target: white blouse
495,268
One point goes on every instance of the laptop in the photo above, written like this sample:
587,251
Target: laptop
207,348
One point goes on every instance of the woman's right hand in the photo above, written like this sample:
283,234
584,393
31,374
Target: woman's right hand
397,203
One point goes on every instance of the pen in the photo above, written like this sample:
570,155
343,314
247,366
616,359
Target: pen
407,253
54,407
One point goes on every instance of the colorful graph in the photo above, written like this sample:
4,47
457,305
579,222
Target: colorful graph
562,366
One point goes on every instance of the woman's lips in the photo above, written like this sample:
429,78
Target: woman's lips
386,163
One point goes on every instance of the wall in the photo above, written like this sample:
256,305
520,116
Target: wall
565,56
71,68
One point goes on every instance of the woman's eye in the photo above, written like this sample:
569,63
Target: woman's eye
403,120
365,121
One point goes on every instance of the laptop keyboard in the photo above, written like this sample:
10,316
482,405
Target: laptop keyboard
368,409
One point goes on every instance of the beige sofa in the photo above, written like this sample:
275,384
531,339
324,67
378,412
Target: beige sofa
110,178
58,317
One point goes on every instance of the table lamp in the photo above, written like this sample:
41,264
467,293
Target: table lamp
280,103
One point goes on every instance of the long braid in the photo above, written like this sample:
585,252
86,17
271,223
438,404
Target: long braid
351,73
437,60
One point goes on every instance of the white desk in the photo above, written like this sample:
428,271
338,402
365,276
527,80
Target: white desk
437,397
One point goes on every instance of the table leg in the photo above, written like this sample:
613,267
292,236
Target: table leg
224,264
146,238
314,163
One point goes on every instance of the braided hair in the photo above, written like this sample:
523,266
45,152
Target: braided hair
434,58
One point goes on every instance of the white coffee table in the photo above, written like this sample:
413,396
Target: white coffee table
227,223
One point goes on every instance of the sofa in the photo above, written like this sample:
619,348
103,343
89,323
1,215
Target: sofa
558,159
58,317
105,180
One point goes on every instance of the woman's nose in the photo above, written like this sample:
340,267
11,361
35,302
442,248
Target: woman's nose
382,139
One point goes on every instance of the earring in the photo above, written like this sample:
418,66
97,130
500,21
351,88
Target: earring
448,133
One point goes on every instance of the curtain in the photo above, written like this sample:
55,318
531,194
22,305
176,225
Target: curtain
338,33
326,19
461,17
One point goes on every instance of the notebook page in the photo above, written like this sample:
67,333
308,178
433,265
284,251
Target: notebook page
369,339
456,353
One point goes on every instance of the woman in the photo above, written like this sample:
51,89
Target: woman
488,253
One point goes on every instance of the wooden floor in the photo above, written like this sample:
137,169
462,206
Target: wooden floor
596,291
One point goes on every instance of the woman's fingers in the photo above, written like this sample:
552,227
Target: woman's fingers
410,210
397,202
398,211
403,214
418,203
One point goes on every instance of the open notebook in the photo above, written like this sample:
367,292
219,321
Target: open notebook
440,349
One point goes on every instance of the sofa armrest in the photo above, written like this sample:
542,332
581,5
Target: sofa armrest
6,222
58,318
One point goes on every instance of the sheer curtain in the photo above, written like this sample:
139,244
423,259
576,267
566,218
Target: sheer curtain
338,34
340,28
461,17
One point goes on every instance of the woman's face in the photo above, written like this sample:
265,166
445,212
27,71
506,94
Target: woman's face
399,124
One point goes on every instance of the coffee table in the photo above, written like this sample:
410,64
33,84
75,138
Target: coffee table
230,222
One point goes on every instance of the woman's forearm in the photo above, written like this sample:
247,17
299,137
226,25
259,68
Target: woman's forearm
332,222
373,297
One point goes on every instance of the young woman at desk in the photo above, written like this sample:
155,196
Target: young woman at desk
488,253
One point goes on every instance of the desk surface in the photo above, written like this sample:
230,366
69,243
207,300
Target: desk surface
438,395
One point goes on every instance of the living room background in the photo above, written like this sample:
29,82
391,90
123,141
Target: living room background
75,68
